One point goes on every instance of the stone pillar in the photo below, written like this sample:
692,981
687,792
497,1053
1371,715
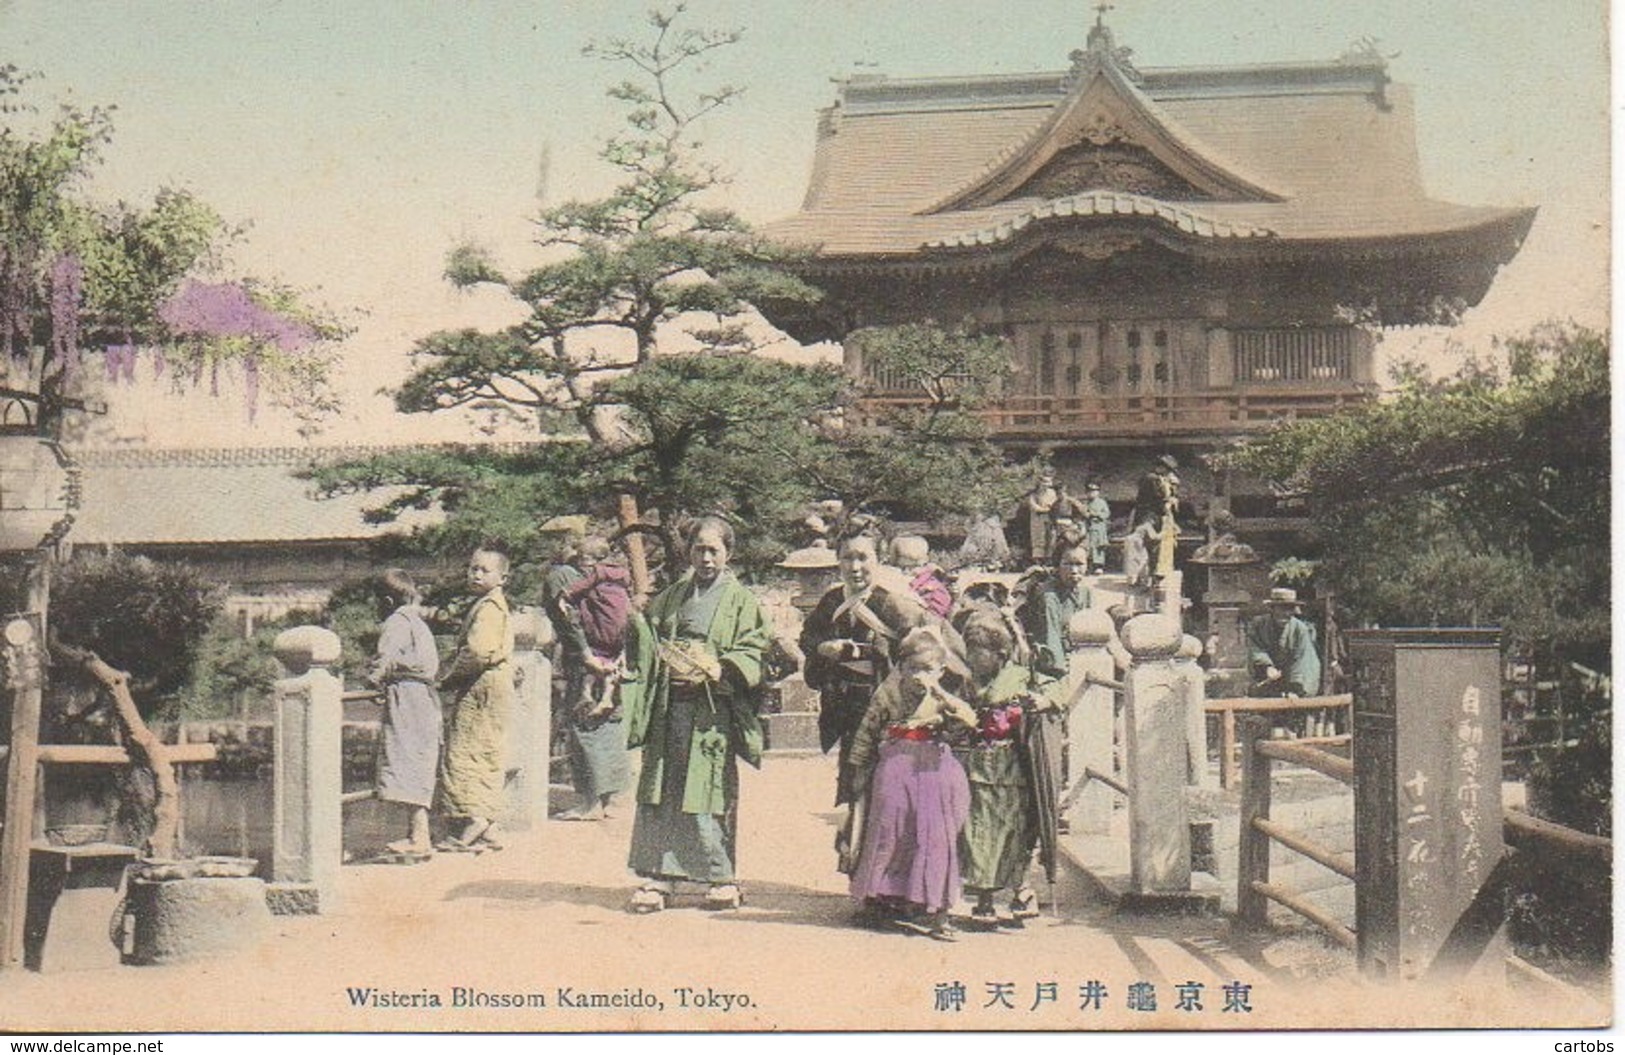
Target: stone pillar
1154,720
307,834
1428,891
1193,686
1090,723
530,727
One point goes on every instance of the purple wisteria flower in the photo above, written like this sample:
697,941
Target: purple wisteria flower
226,309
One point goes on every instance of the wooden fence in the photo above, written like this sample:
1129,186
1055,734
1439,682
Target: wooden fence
1254,891
1553,844
1228,708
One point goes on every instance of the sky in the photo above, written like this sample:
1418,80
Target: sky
361,140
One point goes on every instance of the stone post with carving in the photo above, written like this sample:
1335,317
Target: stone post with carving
530,728
1154,721
1089,725
307,834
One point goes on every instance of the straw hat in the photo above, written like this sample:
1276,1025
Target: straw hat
1283,597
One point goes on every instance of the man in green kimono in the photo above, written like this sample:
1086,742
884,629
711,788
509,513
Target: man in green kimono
1281,649
694,662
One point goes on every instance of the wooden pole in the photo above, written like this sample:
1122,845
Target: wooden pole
1227,761
22,773
1253,851
637,562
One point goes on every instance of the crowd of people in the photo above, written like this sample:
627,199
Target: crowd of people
943,711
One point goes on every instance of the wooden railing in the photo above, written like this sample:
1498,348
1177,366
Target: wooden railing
1295,355
1228,708
1254,891
1160,413
1554,841
349,798
1555,844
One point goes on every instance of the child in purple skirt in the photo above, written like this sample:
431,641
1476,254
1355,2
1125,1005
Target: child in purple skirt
913,792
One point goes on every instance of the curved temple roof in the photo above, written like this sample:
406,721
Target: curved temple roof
1104,203
1318,155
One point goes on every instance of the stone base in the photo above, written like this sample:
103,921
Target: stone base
791,731
1171,903
293,899
188,919
78,937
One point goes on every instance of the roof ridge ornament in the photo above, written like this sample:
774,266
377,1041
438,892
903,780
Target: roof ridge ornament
1101,51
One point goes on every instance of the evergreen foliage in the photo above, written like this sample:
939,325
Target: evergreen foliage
1480,499
709,428
146,617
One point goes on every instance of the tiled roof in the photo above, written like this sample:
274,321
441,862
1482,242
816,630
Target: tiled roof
136,496
1333,142
1191,221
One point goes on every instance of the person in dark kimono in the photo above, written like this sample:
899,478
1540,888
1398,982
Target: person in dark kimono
405,668
694,663
850,639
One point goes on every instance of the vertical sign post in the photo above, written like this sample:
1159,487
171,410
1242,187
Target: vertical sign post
1427,794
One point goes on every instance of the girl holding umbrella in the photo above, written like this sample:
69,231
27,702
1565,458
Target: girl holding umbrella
1005,815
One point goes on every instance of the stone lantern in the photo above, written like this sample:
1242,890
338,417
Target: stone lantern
815,569
1235,574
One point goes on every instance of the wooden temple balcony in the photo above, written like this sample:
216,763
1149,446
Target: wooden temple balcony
1195,415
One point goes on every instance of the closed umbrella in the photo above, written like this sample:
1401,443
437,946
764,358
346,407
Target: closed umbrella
1041,757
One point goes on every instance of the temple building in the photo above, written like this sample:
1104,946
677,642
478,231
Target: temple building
1176,256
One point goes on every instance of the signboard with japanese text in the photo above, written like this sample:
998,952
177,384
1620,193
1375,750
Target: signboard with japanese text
1427,751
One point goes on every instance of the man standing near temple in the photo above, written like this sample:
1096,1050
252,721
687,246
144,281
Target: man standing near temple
1097,518
1035,519
1281,649
693,668
1157,503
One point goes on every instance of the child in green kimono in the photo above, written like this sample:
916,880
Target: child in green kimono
996,847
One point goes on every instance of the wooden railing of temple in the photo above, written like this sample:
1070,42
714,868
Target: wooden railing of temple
1294,354
1166,413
